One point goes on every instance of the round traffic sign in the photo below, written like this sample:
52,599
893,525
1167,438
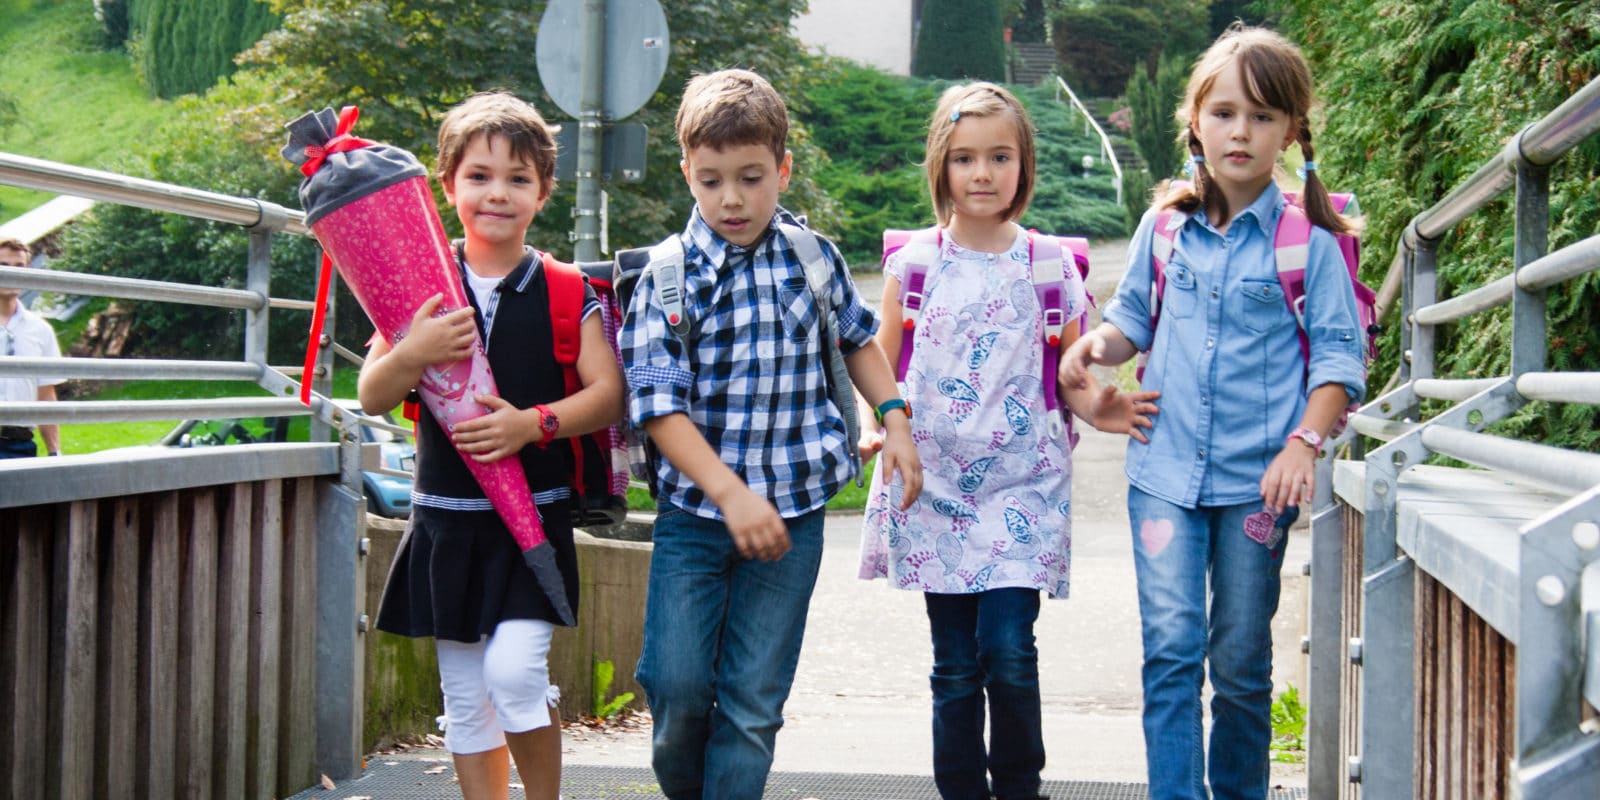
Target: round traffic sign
635,58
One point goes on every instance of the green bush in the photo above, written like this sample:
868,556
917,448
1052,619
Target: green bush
184,46
1099,46
960,39
1416,100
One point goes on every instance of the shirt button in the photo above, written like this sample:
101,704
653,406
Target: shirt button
1213,294
1202,454
1210,343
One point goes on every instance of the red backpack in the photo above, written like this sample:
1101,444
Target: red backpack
599,459
1045,253
1290,244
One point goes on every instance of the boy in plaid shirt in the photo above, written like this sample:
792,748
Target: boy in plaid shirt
752,444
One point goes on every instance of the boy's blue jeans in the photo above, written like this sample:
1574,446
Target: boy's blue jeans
984,643
721,640
1175,551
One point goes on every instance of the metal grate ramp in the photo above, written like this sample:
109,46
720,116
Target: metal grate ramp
407,776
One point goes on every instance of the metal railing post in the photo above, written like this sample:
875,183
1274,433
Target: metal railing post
1529,335
1324,701
258,278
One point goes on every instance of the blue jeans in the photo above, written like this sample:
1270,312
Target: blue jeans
14,448
1175,549
983,643
721,640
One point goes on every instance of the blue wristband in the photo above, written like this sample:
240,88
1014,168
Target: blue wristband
890,405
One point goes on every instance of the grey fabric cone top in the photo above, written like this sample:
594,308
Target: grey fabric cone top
343,177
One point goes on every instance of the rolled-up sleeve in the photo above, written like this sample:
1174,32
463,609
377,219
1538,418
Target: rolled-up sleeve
857,323
1332,323
1129,309
653,358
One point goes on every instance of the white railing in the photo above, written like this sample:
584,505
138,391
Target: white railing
1106,152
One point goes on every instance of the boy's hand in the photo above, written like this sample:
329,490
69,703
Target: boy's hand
756,528
1120,412
1073,372
444,339
502,432
900,455
1291,477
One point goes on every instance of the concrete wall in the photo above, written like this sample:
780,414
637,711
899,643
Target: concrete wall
402,674
875,33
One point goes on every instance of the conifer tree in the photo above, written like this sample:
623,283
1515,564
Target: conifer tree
960,39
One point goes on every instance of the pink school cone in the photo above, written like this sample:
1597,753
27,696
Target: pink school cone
392,251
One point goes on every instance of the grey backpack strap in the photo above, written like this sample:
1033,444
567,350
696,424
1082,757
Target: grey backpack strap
666,262
819,276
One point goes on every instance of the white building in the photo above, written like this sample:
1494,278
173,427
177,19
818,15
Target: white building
878,33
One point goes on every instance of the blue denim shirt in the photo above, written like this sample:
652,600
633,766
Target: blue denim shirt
1226,355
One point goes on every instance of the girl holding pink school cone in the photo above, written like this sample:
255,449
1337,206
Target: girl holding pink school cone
459,575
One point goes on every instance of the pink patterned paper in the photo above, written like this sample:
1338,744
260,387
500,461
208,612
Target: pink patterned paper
392,251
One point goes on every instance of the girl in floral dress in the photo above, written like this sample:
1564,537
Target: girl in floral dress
992,527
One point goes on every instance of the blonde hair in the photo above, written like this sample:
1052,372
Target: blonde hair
729,108
981,99
491,114
1275,75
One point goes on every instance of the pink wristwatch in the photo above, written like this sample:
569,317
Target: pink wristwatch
549,423
1308,436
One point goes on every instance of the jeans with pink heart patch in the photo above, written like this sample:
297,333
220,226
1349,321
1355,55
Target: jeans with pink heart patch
1207,593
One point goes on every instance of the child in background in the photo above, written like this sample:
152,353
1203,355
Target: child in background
753,445
1243,414
993,525
458,576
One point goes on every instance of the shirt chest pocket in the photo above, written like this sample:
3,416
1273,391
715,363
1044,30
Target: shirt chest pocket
1262,307
1179,298
797,310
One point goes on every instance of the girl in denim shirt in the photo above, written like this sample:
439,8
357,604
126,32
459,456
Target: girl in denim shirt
1243,413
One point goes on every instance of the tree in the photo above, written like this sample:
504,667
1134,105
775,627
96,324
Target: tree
1152,104
960,39
184,46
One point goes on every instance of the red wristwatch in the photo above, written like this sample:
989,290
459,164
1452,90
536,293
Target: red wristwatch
549,423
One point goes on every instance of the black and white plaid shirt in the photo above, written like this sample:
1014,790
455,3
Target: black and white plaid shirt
753,376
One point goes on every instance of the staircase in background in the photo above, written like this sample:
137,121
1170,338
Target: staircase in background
1032,62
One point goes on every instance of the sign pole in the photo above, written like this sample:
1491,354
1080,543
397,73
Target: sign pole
586,238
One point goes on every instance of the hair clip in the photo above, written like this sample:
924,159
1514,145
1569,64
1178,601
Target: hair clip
1309,166
955,116
1197,158
1192,165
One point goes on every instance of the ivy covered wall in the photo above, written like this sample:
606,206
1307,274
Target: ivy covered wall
1417,96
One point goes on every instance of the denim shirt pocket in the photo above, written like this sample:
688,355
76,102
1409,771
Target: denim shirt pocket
1263,307
797,308
1179,298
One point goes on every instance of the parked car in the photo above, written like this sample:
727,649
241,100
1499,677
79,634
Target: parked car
387,495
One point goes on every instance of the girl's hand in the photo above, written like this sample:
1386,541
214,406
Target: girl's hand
871,442
443,339
1119,412
1073,372
900,455
1291,477
502,432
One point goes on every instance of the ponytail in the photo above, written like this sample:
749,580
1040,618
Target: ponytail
1314,199
1191,196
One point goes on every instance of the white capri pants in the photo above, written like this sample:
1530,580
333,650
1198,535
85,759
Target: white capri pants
496,685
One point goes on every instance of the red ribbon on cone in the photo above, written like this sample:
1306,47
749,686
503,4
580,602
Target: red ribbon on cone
341,142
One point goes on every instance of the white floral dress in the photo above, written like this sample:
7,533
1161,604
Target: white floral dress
996,504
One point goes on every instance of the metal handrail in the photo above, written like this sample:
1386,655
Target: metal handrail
49,176
1105,141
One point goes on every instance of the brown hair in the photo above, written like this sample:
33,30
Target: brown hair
979,99
729,108
16,244
1275,75
492,114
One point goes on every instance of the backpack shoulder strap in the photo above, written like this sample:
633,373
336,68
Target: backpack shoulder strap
564,284
819,276
921,250
1045,257
1291,245
666,262
1163,240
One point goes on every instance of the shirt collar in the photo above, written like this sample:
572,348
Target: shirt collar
699,236
517,280
1264,212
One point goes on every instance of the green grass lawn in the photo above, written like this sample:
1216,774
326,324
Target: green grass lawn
76,103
